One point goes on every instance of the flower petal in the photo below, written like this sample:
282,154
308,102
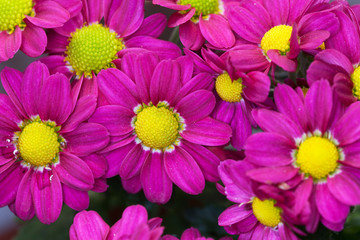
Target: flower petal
345,187
34,40
133,162
272,175
88,225
190,35
234,214
10,44
152,26
9,182
282,61
23,202
240,125
75,199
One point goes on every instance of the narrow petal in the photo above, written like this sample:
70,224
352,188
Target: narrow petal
97,163
302,195
45,16
246,60
152,26
72,6
278,11
196,106
190,35
75,199
257,86
74,172
115,158
178,18
184,171
329,207
269,149
240,125
116,119
10,44
55,99
234,214
199,133
345,187
132,185
224,111
88,225
272,175
8,115
128,17
71,25
56,43
282,61
133,162
23,201
34,40
171,4
155,182
47,200
216,30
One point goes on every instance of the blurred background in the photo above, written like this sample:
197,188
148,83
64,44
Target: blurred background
183,211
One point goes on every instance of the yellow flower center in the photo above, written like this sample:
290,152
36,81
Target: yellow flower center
317,157
266,213
39,144
205,7
92,48
12,13
277,38
157,126
228,90
355,77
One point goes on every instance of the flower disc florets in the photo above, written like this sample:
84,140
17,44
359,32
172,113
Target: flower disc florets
266,212
227,89
13,13
355,78
204,7
277,38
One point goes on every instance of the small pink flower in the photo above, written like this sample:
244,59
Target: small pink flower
22,24
47,150
133,225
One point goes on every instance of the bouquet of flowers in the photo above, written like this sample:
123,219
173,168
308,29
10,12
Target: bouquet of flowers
245,124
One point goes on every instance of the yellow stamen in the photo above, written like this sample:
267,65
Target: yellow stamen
266,212
277,38
13,12
355,77
228,90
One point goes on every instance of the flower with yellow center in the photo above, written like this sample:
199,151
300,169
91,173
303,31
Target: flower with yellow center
92,48
355,78
277,38
157,126
317,157
13,13
204,7
227,89
266,212
39,143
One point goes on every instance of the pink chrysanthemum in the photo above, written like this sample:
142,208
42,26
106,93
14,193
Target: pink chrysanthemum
253,217
189,234
340,64
237,93
47,152
22,24
310,145
158,119
96,38
276,31
133,225
201,20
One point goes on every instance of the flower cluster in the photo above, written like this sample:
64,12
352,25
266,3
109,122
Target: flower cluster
275,81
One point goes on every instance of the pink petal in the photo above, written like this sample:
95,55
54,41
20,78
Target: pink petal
155,182
75,199
257,86
302,195
70,26
273,175
86,139
282,61
278,11
88,225
345,187
56,43
184,171
196,106
152,26
97,163
72,6
132,185
240,125
234,214
199,133
8,115
45,16
74,172
224,111
10,179
190,35
23,201
246,60
171,4
10,44
269,149
115,158
34,40
216,30
178,18
47,200
133,162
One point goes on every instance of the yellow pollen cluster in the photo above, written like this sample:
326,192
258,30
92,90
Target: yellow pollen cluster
12,14
157,127
277,38
205,7
355,77
228,90
38,144
92,48
317,157
266,213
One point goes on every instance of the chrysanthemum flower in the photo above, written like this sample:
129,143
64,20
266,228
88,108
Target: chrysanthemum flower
189,234
158,119
47,152
133,225
22,24
311,146
96,38
236,94
340,64
276,31
201,20
252,217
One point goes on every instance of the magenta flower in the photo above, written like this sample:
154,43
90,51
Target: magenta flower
22,24
158,119
310,146
189,234
47,152
133,225
237,93
84,45
200,20
252,217
276,31
340,62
